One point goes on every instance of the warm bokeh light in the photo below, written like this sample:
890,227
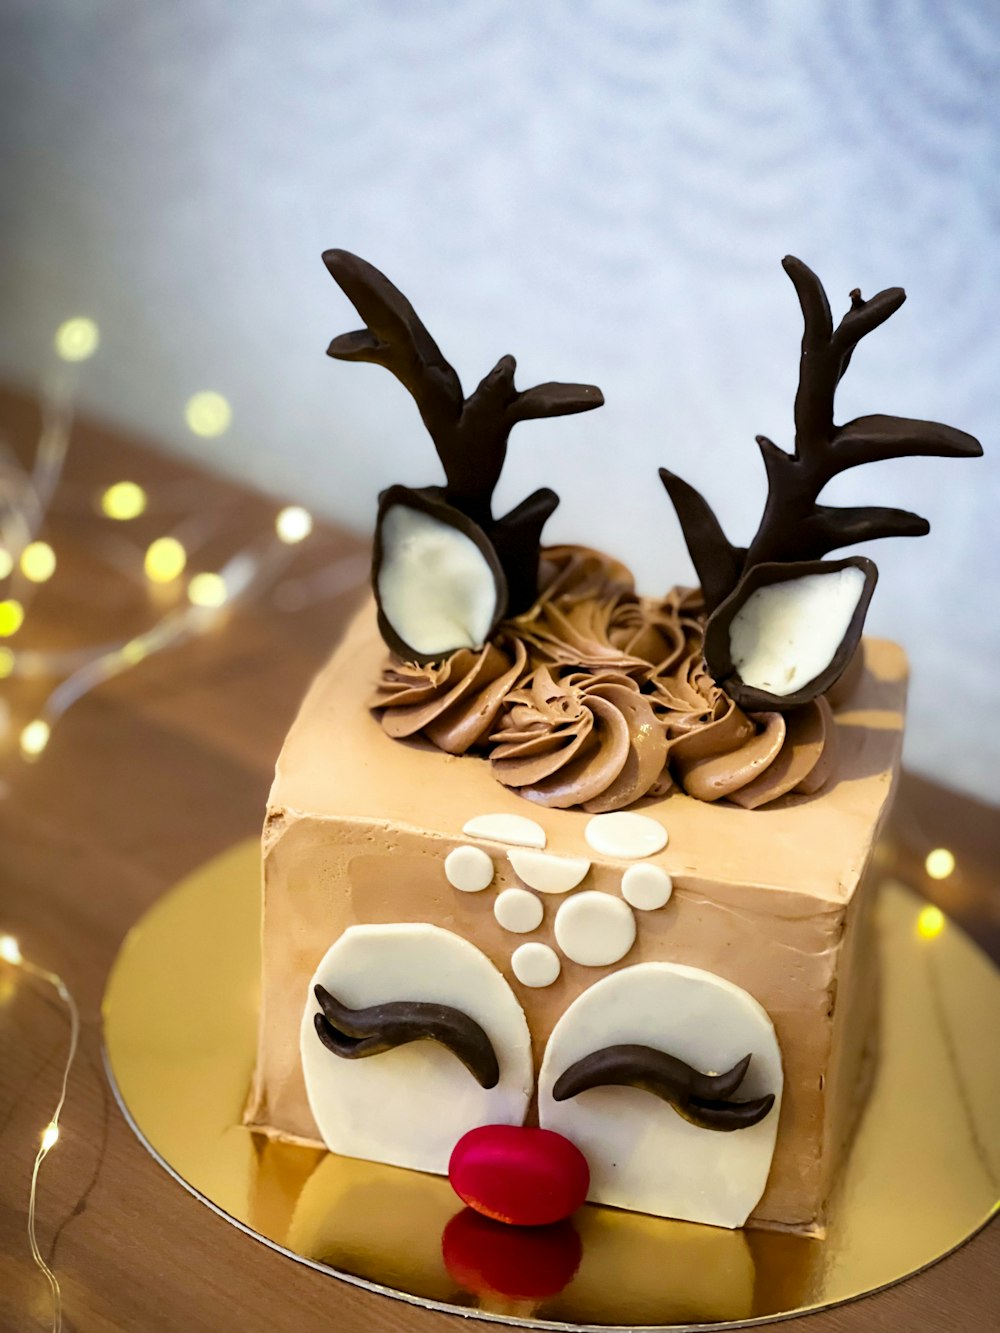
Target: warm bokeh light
293,524
930,922
35,737
940,863
6,562
207,590
10,950
38,562
77,339
6,663
11,617
50,1136
134,651
165,560
208,414
123,500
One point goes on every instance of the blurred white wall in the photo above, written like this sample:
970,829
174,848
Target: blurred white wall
604,188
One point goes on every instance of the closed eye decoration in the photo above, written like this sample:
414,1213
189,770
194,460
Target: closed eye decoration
409,1038
355,1033
703,1099
708,1052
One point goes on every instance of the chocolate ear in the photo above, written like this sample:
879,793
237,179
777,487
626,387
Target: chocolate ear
437,579
788,631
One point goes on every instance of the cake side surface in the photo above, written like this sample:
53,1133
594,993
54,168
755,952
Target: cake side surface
359,827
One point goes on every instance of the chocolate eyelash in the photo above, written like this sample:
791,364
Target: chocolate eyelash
354,1034
703,1099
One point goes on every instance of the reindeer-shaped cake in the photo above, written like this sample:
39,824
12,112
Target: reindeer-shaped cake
477,956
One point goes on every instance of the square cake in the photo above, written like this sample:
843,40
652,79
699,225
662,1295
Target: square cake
566,889
772,901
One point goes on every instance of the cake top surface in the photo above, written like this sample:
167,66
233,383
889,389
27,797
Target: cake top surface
338,763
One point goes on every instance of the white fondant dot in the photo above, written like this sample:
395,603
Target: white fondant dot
625,834
518,910
646,887
469,869
535,964
515,829
548,873
595,929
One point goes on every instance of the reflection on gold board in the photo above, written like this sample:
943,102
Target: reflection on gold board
924,1174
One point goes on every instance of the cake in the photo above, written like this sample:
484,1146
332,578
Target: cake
566,890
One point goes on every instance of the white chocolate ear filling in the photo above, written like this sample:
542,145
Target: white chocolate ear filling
643,1155
435,586
787,633
410,1106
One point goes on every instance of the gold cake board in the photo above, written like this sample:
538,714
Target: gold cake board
180,1015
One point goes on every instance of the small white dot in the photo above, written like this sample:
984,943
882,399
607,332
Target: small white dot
646,887
535,965
469,869
518,911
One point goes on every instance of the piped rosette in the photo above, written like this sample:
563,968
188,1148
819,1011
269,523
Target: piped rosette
579,739
596,698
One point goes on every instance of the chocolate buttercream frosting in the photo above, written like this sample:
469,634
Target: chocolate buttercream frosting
596,697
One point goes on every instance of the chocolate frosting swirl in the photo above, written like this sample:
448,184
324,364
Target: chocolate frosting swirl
596,697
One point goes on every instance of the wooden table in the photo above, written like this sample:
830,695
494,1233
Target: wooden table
142,781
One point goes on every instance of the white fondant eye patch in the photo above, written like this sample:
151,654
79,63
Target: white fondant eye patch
642,1154
548,873
594,929
409,1106
626,835
535,965
787,633
468,869
646,887
518,911
518,830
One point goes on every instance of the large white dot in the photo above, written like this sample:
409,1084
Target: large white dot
595,929
625,834
469,869
646,887
518,910
535,965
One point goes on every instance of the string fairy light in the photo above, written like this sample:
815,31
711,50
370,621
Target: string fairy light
293,524
34,738
940,863
165,560
25,498
38,562
208,590
208,414
10,953
11,617
930,922
77,339
123,501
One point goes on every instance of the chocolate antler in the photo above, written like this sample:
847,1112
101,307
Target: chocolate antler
794,526
469,434
795,530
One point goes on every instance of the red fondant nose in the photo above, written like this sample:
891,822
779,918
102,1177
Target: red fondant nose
518,1174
